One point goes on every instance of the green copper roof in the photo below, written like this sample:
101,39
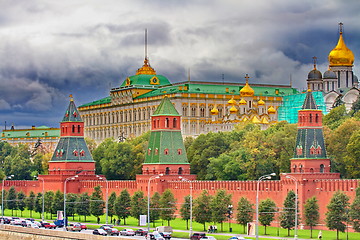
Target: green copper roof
166,108
36,132
166,147
308,138
146,80
71,149
72,113
97,102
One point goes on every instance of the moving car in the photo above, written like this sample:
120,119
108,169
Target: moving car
208,238
141,232
110,230
127,232
197,236
100,232
33,225
48,225
83,226
73,227
237,238
154,236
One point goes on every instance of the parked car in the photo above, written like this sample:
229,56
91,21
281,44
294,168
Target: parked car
141,232
32,225
197,236
37,223
127,232
6,220
166,235
237,238
48,225
30,219
73,227
154,236
110,230
83,226
100,232
25,223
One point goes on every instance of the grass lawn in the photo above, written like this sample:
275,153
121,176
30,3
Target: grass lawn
181,225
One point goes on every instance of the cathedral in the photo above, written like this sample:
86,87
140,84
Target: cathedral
339,83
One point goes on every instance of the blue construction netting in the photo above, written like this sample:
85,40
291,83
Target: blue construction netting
288,111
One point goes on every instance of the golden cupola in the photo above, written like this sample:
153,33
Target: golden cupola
232,101
341,55
214,111
146,69
271,110
247,91
242,102
261,102
233,109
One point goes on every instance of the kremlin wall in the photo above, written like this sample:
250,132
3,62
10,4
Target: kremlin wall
166,155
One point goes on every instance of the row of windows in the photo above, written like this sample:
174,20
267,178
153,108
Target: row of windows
169,123
167,171
74,129
166,151
300,168
310,117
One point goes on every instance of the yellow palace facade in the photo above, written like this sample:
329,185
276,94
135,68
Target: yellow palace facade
204,106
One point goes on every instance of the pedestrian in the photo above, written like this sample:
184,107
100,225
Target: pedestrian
118,222
215,228
114,220
98,220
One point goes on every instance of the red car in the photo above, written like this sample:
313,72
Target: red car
48,225
83,226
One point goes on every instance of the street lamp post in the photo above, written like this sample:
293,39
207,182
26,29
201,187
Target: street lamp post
268,176
107,197
191,202
230,207
2,196
148,200
66,180
296,204
43,197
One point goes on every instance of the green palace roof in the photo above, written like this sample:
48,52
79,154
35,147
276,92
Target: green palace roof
146,80
97,102
35,132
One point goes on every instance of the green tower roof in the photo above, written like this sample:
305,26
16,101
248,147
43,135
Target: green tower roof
72,113
166,108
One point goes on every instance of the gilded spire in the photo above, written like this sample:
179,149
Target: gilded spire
146,69
341,55
247,91
71,98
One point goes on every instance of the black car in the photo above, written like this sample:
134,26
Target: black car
30,219
141,232
100,232
5,220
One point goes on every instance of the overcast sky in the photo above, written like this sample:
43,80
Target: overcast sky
50,49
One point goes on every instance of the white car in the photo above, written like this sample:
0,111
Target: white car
37,223
15,222
127,232
33,225
208,238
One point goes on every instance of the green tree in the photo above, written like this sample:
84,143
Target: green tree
245,212
287,217
30,202
168,206
336,216
97,203
185,210
311,213
38,203
352,157
71,199
111,205
49,199
11,200
267,209
82,206
219,206
155,208
18,163
355,211
202,210
335,117
138,205
58,202
21,201
123,205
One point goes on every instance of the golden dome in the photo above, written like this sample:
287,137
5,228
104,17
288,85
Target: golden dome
232,101
214,111
261,102
341,55
233,109
271,110
146,69
247,91
242,102
255,119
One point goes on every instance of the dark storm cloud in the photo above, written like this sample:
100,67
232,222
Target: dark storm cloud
84,47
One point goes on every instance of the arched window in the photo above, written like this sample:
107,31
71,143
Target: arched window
179,151
311,170
154,123
166,122
180,171
79,128
73,128
166,151
300,168
310,118
322,168
294,168
316,118
174,123
167,171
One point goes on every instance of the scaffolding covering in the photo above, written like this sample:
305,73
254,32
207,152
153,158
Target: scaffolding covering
288,111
